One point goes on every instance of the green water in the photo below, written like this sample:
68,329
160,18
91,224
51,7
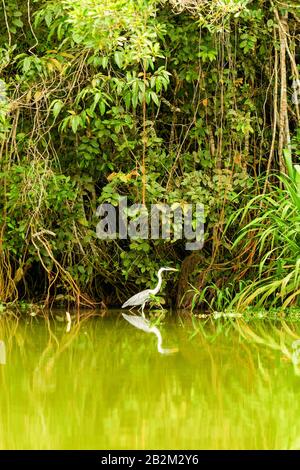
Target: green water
103,385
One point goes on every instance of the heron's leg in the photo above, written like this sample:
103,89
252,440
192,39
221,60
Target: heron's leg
143,306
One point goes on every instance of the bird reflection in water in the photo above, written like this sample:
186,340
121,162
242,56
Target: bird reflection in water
145,325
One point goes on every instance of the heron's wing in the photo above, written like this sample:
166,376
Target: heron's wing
138,322
137,299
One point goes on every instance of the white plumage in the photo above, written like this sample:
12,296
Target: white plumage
141,298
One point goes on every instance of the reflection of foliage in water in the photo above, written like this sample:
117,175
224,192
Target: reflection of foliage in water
104,386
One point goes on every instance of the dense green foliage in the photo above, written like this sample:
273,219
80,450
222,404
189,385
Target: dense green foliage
160,101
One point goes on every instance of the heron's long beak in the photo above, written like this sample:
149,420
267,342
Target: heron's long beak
172,269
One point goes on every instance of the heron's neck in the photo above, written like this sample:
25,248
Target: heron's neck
158,286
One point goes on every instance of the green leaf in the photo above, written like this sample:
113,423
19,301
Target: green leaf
154,98
102,107
134,100
57,107
17,22
75,121
26,64
118,58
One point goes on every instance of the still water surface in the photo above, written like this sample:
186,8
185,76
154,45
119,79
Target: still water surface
233,384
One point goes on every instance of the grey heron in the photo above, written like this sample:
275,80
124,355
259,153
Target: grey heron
144,296
145,325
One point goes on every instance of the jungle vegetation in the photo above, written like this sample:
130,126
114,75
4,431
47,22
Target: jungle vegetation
160,101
